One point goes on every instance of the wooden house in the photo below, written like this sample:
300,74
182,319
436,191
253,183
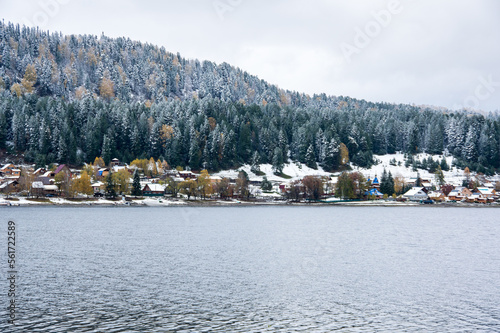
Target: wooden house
459,194
153,190
6,170
63,168
437,196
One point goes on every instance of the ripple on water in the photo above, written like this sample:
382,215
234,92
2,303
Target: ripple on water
271,269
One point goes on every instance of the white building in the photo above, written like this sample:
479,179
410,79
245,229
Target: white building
416,194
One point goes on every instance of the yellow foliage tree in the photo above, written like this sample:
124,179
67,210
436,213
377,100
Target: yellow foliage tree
80,92
399,184
165,166
122,180
204,185
107,88
140,164
83,184
152,167
17,89
189,187
29,79
99,162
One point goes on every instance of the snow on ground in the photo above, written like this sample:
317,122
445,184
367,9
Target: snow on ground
295,170
453,176
298,171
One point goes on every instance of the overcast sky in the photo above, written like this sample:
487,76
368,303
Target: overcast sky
443,53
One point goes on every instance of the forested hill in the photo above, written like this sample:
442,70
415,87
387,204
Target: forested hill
69,99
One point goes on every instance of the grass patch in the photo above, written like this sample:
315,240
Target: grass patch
81,199
12,199
282,175
39,200
259,173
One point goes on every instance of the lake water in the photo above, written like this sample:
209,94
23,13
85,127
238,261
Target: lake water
254,269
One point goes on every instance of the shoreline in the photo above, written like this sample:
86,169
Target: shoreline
23,202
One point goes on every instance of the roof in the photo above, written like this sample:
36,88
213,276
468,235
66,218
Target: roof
156,187
375,181
6,166
484,190
414,191
117,168
38,170
4,185
60,168
98,184
45,180
50,187
374,192
37,185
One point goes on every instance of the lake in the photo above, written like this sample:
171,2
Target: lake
254,269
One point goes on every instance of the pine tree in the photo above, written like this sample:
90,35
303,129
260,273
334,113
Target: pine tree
136,185
311,158
439,176
255,168
110,187
278,161
266,185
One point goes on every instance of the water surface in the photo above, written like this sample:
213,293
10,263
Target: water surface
255,269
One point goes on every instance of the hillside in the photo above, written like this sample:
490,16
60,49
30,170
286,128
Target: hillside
70,99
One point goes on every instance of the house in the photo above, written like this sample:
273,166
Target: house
103,172
416,194
45,180
114,162
117,168
426,183
63,168
459,193
50,190
284,187
97,187
489,184
48,174
437,196
7,169
476,197
37,189
16,173
40,171
487,192
153,190
9,186
187,175
215,179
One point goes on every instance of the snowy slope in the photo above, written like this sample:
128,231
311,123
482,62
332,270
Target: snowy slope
298,171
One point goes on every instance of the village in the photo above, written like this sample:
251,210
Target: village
121,183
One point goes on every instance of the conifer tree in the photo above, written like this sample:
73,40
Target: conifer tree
110,187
